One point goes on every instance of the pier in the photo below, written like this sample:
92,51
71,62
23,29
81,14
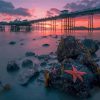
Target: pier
67,21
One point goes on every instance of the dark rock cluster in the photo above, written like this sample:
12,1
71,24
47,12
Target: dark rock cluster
79,73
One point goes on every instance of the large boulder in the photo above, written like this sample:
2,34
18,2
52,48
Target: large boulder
68,47
79,72
91,45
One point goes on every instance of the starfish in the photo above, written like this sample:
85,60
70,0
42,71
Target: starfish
76,74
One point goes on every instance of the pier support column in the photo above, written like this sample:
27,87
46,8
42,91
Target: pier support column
90,23
65,25
55,25
38,25
51,25
45,25
68,24
61,25
73,24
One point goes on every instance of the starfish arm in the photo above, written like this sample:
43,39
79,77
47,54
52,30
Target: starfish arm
81,73
74,78
80,77
74,69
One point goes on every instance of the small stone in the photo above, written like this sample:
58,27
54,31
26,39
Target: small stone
12,43
27,63
34,39
29,54
21,43
44,36
45,45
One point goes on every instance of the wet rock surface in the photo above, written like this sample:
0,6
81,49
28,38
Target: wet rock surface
12,66
27,63
78,73
91,45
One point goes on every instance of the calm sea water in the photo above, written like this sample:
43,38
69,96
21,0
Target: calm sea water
35,90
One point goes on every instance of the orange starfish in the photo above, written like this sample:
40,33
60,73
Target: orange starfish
76,74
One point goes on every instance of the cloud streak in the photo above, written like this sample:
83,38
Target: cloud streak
8,8
52,12
83,4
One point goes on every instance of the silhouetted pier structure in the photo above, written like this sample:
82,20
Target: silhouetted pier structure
2,26
66,19
18,26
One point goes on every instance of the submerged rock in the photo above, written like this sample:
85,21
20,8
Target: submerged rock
12,43
45,45
27,63
34,39
12,66
21,43
7,87
44,36
26,75
27,54
55,36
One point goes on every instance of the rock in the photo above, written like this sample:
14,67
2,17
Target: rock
27,63
12,66
76,58
55,36
71,48
27,54
64,81
44,36
21,43
12,43
34,39
43,64
67,48
42,57
26,75
22,39
45,45
91,45
7,87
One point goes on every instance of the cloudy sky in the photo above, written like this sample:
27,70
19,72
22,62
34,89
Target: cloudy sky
33,9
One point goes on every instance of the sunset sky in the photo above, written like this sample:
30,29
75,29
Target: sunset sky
34,9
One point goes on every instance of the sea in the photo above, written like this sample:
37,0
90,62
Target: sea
33,41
